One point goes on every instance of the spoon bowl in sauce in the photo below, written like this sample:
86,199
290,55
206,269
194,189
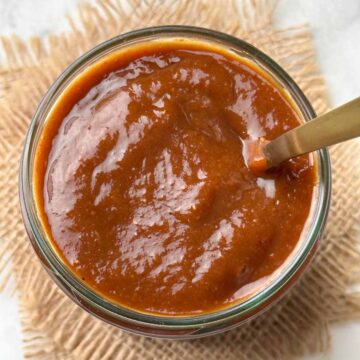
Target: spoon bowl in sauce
337,125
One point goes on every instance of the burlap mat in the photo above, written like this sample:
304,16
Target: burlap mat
55,328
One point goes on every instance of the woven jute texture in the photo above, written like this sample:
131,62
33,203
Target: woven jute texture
53,326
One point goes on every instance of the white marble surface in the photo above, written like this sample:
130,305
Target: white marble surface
336,28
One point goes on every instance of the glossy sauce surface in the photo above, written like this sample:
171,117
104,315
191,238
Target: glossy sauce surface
143,188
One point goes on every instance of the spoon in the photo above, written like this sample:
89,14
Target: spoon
340,124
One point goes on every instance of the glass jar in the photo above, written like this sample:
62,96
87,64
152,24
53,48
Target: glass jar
167,326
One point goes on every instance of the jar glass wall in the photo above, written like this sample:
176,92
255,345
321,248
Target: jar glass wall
167,326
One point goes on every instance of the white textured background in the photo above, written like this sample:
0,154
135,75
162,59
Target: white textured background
335,25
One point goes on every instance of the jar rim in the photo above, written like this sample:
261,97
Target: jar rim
70,281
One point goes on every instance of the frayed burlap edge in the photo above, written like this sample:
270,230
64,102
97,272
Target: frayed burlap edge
54,327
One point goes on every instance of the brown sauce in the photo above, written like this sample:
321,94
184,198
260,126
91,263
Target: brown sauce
142,187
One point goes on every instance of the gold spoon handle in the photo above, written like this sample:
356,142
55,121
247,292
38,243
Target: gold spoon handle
340,124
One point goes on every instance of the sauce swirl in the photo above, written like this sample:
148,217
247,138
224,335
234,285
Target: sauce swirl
142,185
